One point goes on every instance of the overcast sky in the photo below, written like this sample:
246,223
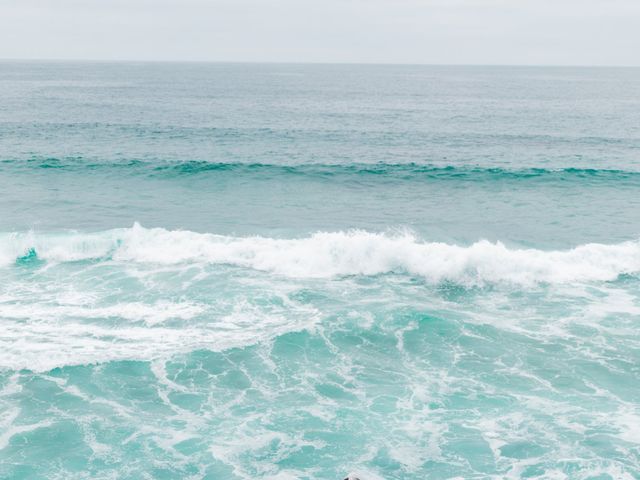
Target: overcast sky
550,32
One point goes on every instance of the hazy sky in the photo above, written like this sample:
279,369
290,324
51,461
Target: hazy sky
569,32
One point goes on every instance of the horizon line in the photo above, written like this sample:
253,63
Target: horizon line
293,62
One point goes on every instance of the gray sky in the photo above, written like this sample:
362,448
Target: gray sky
565,32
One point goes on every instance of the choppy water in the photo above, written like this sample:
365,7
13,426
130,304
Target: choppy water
286,271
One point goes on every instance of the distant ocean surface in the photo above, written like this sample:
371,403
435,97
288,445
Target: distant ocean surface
228,271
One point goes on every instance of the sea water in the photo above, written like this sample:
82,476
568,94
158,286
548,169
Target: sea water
228,271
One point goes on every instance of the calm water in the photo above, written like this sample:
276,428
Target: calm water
217,271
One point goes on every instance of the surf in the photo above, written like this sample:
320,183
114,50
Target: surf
330,255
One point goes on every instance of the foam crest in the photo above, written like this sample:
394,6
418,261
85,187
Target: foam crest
331,254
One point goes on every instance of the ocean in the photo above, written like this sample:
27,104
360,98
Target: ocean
282,271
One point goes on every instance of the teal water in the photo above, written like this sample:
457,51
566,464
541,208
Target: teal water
300,271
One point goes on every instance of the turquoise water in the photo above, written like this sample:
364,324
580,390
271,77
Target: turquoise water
300,271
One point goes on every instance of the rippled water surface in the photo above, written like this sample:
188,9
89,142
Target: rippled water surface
300,271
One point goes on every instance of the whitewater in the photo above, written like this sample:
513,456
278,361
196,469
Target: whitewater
330,254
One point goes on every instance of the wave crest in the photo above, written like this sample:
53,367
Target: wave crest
404,171
332,254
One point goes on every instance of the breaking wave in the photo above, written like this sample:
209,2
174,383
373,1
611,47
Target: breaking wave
332,254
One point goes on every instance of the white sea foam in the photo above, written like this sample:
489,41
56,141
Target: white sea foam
8,429
326,255
46,342
153,314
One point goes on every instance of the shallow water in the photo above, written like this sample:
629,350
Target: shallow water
288,271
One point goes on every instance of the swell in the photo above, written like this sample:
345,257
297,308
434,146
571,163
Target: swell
403,171
330,255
